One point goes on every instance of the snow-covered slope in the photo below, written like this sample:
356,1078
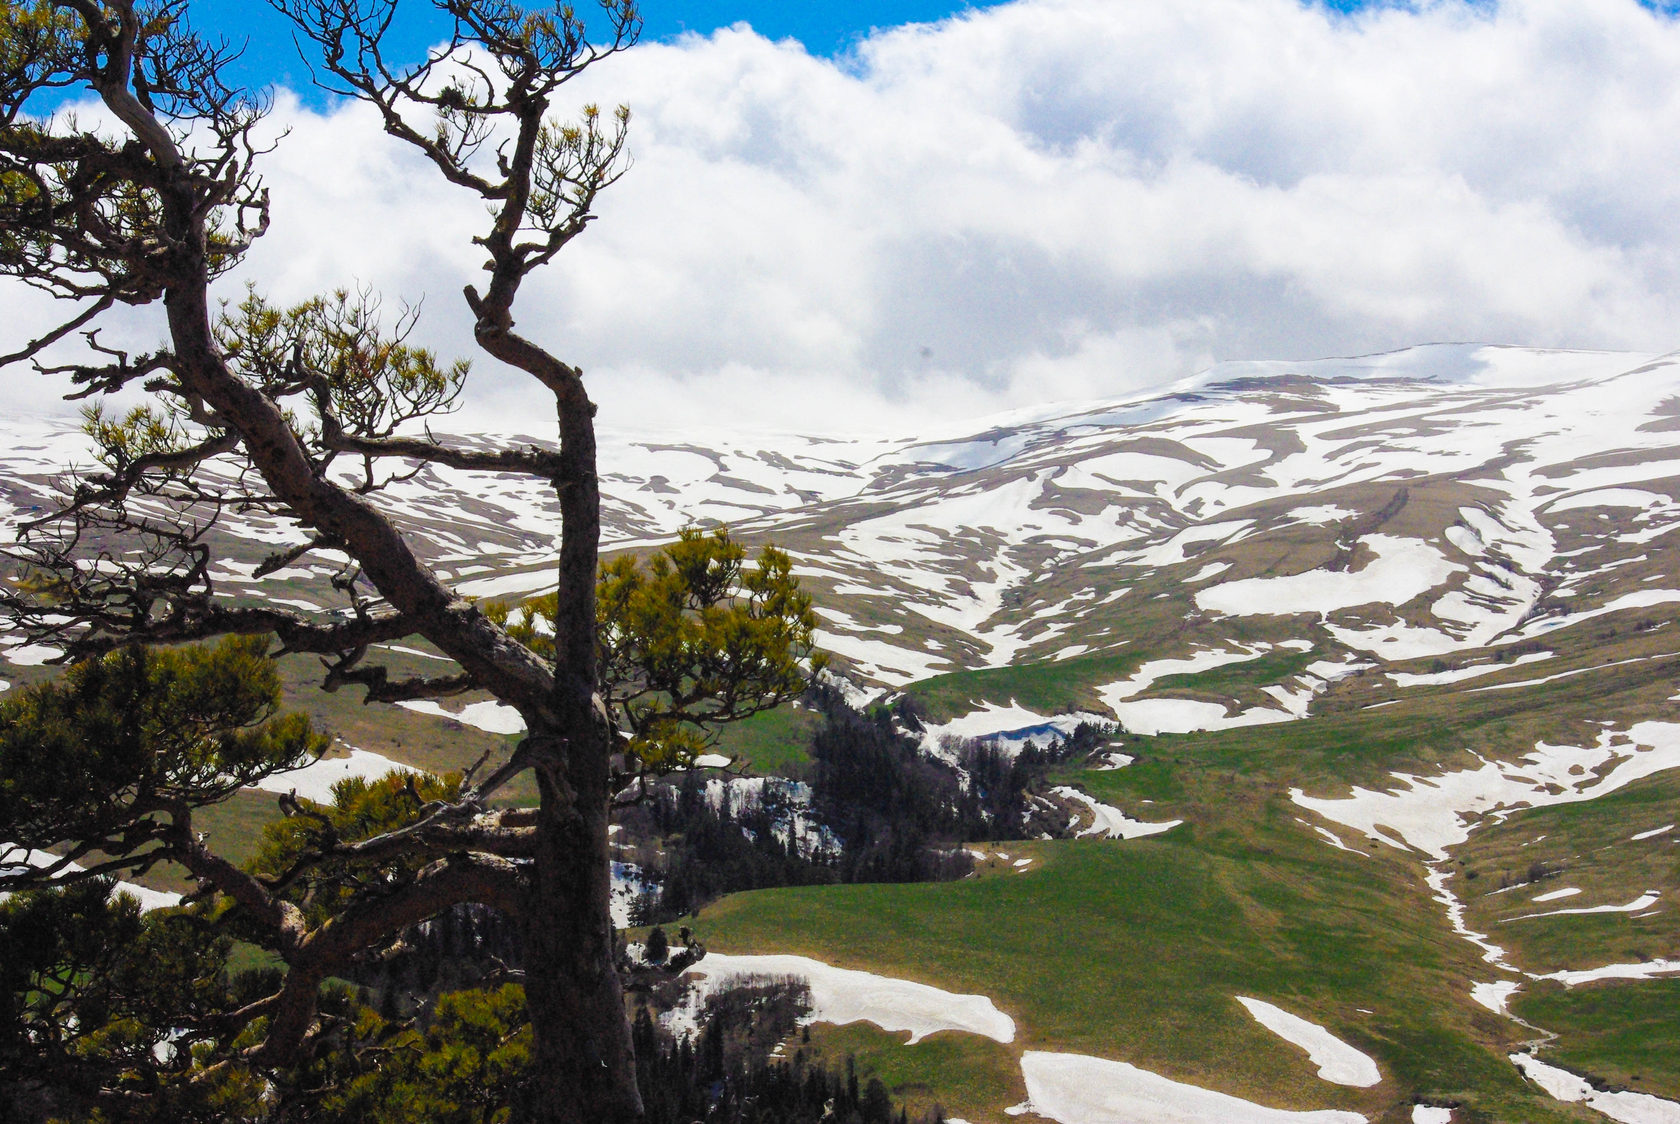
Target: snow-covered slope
1441,503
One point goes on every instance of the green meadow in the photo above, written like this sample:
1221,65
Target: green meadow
1136,950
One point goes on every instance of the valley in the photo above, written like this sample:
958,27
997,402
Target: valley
1392,642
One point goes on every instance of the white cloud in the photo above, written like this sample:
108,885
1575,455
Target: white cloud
1057,198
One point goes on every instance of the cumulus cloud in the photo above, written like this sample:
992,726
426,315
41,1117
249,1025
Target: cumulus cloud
1055,199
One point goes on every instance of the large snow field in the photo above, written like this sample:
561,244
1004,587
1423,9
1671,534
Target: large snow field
1402,569
841,995
1076,1089
1337,1062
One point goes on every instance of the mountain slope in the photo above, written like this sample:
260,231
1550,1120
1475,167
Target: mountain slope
1392,637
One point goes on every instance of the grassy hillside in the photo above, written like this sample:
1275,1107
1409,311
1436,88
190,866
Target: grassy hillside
1136,951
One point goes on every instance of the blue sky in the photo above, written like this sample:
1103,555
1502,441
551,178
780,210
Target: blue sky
824,28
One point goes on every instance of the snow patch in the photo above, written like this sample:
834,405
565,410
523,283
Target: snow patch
1181,716
1430,814
1459,674
1109,822
1496,997
1402,569
315,780
1644,901
1625,1107
492,717
841,995
1646,970
1337,1062
1076,1089
1320,514
1013,724
149,899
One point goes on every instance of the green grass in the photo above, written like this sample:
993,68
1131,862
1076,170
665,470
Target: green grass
434,744
772,740
1137,951
1051,687
942,1070
1587,846
1624,1032
1235,678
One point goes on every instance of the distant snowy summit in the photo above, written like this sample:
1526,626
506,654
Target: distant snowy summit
1462,364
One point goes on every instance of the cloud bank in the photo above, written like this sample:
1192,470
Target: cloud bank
1054,199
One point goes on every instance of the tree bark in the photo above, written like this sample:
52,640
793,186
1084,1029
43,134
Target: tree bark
582,1065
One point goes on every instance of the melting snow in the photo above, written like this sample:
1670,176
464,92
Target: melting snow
1181,716
1320,514
1112,823
1337,1062
1402,569
492,717
1609,497
1459,674
1157,669
1646,970
1211,570
1626,1107
1012,726
1076,1089
1429,814
149,899
1496,997
30,655
840,995
1644,901
1560,675
315,780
